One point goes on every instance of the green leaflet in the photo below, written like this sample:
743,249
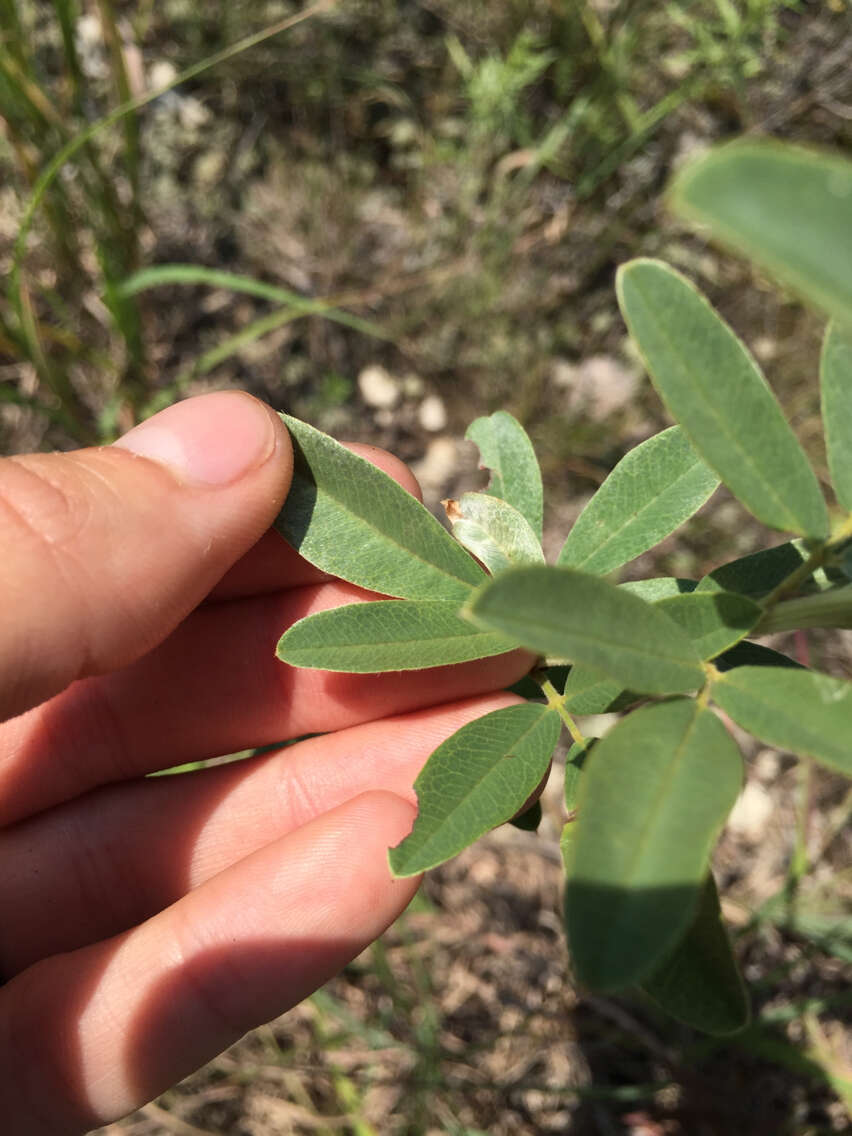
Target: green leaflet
747,654
836,391
349,519
387,635
475,780
758,573
658,587
583,618
530,819
784,207
714,388
650,493
494,531
795,709
587,691
506,450
714,621
699,983
653,796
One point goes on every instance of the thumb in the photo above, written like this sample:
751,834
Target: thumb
106,550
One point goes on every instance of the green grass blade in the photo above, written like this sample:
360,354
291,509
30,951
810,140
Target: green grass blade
794,709
714,388
505,450
650,493
475,780
348,518
195,274
74,145
786,208
700,983
836,391
653,796
585,619
387,635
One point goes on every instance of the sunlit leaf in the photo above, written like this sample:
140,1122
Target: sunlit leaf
588,691
349,519
836,390
505,450
387,635
650,493
794,709
494,531
713,621
786,208
714,388
476,779
585,619
699,983
658,587
653,796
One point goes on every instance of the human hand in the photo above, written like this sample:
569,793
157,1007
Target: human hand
148,923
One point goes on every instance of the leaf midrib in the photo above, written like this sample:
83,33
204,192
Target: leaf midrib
543,717
682,363
634,517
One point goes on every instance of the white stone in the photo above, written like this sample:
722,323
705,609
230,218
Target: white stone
160,74
751,813
378,387
432,414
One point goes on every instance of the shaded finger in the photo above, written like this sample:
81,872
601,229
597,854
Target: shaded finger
88,1036
215,686
106,861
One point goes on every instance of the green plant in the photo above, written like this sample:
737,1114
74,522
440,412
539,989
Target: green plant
648,800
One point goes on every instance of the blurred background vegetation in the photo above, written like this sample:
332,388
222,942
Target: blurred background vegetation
389,218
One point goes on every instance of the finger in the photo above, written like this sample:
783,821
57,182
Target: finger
106,550
272,564
104,862
215,686
88,1036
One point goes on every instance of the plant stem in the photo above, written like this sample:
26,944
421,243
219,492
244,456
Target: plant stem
556,701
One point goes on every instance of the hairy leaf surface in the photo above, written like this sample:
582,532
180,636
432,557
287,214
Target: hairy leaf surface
505,449
836,391
714,388
475,780
792,708
784,207
713,621
650,493
583,618
653,796
494,531
387,635
349,519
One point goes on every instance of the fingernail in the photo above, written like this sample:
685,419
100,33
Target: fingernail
212,440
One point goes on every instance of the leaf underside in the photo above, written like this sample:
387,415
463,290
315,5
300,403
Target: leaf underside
574,615
651,492
506,450
494,531
714,388
353,521
836,393
478,778
652,799
387,635
786,208
795,709
714,621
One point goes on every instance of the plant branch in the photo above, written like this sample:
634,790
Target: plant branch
556,701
